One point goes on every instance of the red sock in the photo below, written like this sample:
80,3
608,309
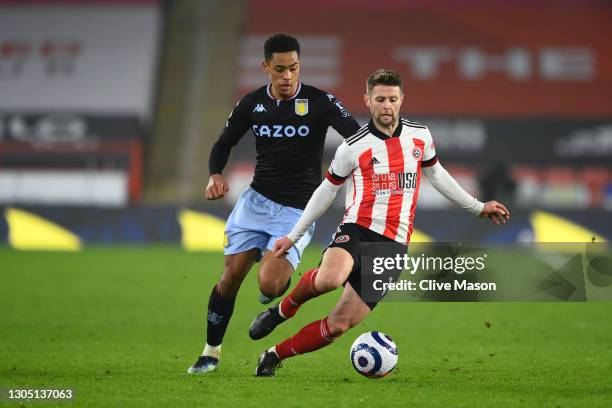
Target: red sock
312,337
302,292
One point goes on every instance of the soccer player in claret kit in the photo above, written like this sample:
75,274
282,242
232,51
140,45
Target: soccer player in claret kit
383,162
289,120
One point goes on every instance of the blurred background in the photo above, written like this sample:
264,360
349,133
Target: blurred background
109,108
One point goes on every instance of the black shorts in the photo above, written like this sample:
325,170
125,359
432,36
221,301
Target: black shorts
364,245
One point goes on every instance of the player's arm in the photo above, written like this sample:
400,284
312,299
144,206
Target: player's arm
339,118
340,168
236,126
449,188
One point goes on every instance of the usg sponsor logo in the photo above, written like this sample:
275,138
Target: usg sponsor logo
388,182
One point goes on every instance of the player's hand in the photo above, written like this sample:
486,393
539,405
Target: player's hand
216,188
281,246
497,212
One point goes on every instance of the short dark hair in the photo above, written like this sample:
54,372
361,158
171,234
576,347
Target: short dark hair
280,43
384,77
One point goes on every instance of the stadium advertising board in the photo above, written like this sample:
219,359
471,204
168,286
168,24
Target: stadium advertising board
75,98
493,59
523,141
75,57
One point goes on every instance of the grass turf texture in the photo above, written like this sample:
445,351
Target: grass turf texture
121,325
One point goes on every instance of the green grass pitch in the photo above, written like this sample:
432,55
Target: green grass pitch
121,325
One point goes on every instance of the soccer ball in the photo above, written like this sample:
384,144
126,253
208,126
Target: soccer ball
374,354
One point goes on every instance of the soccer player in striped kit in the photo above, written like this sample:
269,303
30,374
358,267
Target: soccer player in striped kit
383,163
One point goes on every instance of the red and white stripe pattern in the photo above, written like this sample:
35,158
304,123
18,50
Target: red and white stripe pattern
376,198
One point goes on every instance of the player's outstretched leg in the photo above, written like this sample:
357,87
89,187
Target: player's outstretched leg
310,338
220,309
335,268
267,320
349,311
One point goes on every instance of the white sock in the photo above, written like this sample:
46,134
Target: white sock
273,350
212,351
280,311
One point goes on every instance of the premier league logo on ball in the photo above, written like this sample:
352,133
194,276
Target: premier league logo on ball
374,354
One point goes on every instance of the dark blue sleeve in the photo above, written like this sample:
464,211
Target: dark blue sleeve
339,118
236,126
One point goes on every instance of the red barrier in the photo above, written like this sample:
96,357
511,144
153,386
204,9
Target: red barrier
481,58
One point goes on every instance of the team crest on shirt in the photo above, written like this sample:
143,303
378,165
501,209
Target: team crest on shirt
301,107
417,153
342,239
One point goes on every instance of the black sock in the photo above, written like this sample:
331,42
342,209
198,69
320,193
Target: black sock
220,311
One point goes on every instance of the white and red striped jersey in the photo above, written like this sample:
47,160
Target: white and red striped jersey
385,174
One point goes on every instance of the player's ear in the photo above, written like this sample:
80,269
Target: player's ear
265,66
366,99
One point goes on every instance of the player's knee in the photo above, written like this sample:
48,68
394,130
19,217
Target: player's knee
228,288
338,325
328,284
271,287
325,282
229,283
334,270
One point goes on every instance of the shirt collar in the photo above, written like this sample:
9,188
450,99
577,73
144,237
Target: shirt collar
374,130
297,91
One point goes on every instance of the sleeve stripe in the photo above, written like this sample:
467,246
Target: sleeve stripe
362,131
334,178
430,162
413,124
355,139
